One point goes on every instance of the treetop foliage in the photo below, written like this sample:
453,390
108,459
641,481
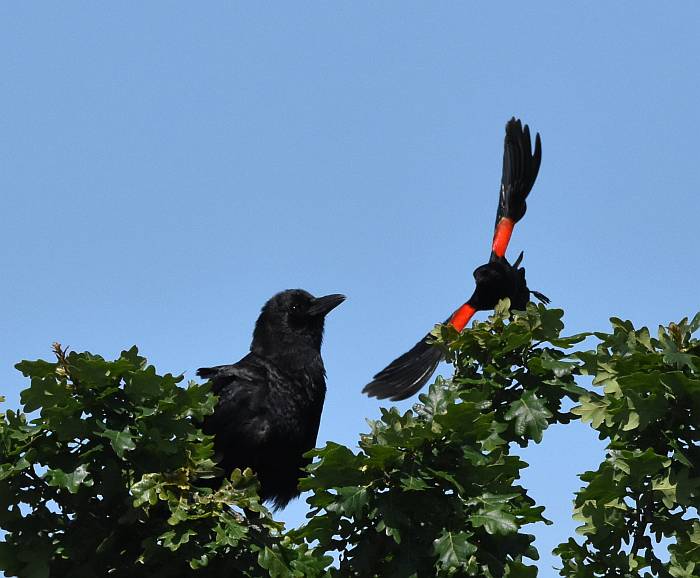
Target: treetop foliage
105,471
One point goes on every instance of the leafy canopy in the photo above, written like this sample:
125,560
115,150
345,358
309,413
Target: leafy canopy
105,471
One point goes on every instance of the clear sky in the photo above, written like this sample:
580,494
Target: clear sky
165,167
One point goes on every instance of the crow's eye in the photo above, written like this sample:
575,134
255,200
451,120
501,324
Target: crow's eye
295,317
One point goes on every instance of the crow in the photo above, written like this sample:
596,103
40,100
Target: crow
269,407
495,280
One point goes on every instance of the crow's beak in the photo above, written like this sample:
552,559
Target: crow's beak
324,305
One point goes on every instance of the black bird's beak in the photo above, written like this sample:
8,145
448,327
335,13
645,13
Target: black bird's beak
324,305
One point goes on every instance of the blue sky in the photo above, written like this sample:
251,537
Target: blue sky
167,167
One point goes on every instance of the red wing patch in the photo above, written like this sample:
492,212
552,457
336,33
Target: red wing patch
501,238
462,316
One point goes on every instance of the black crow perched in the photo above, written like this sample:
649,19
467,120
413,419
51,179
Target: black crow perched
495,280
270,402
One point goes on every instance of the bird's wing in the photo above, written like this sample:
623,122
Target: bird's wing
520,168
242,389
406,374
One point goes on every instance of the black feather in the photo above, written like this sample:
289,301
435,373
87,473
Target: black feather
541,297
520,168
406,374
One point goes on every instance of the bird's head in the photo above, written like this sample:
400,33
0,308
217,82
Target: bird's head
291,320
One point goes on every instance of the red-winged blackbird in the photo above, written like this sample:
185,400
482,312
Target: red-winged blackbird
270,402
494,281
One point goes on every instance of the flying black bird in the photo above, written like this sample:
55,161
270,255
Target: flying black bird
495,280
270,402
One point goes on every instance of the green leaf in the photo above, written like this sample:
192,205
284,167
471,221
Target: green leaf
437,399
453,549
519,570
560,368
550,324
274,563
173,539
382,457
502,309
683,571
337,466
632,421
70,481
350,501
10,469
121,441
494,521
145,491
530,416
413,483
682,360
695,323
667,488
569,341
489,499
592,409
